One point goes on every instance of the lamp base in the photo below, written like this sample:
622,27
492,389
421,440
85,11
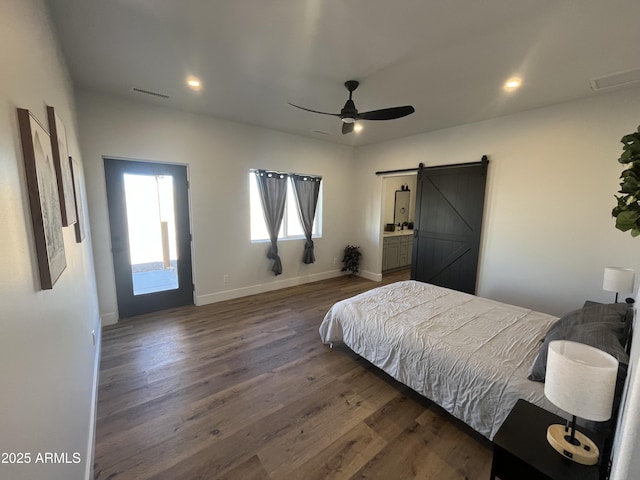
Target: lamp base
584,452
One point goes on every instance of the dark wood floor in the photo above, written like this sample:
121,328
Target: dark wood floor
244,389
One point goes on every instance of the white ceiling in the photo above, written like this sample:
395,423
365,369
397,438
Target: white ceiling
447,58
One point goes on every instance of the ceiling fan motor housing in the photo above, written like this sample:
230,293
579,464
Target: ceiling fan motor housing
349,112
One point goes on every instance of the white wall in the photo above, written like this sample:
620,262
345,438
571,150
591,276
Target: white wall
219,155
548,231
47,358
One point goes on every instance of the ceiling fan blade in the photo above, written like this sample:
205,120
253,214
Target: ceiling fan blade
315,111
347,128
387,113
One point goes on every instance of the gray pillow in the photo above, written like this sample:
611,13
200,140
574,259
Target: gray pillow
604,326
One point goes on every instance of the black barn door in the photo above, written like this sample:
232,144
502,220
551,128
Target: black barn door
449,206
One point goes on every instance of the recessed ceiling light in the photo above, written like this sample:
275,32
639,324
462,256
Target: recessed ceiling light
194,83
512,84
357,127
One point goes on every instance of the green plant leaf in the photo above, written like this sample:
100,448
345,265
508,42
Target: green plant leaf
631,173
623,226
629,187
627,210
628,216
631,138
625,157
627,220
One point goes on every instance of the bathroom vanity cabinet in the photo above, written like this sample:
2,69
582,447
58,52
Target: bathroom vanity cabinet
396,249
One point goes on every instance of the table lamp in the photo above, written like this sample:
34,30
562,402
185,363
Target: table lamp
618,279
580,380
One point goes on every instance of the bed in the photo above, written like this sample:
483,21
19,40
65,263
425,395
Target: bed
470,355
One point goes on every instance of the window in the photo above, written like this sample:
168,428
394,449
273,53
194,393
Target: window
291,227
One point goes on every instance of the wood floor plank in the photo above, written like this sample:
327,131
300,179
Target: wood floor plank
394,417
411,460
206,456
343,457
251,469
244,389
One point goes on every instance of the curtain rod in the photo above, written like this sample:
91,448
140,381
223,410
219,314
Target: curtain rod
313,175
484,160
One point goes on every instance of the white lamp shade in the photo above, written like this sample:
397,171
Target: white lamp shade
581,379
618,279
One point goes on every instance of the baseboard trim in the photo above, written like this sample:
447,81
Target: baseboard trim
108,318
264,287
93,414
376,277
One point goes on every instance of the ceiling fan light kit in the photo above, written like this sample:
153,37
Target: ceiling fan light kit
349,113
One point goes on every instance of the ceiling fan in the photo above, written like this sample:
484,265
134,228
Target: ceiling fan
349,114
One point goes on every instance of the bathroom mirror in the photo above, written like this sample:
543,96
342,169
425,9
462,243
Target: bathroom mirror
401,212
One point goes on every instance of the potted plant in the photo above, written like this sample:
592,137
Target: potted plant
627,212
351,259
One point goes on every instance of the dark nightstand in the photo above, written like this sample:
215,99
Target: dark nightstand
521,450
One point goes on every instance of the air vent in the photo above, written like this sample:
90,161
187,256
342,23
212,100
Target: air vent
622,79
149,92
321,132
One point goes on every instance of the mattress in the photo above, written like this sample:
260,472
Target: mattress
468,354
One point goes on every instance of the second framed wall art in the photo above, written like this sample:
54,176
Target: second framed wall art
60,152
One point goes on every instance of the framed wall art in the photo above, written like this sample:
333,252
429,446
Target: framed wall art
77,196
43,198
60,153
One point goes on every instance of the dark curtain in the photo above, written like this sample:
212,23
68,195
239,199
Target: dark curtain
307,189
273,193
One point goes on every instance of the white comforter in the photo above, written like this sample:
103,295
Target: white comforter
468,354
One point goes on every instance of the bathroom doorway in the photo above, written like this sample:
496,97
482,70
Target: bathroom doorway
398,213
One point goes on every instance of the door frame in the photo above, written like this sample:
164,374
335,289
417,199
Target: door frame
482,168
384,198
127,303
